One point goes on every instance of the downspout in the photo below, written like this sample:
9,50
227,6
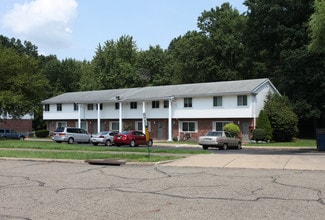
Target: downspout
170,126
120,117
144,118
79,115
254,111
98,117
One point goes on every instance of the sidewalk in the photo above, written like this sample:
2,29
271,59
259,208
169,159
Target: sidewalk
255,161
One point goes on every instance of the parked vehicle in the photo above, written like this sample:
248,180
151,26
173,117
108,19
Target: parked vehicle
104,137
220,139
70,135
132,138
10,134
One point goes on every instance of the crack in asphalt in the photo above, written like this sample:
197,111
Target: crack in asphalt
129,183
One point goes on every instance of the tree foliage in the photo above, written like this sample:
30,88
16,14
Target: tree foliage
270,40
282,117
317,27
263,122
233,129
22,86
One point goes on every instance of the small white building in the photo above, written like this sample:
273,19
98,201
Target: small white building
171,112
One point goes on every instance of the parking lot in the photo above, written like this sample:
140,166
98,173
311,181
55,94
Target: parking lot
173,190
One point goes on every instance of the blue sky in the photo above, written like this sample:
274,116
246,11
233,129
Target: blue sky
74,28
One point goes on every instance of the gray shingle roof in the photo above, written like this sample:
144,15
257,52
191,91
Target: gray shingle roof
162,92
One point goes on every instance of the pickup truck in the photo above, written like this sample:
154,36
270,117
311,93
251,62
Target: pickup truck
219,139
10,134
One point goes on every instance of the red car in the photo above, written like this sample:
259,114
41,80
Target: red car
132,138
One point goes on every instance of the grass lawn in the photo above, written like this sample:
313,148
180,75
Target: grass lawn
296,143
52,150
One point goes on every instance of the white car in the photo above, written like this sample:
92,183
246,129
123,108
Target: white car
220,139
103,137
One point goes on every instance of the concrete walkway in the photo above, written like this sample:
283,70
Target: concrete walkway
313,161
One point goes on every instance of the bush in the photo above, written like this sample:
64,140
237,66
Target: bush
263,122
42,133
282,118
233,129
259,134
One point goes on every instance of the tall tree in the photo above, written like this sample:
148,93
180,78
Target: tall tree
276,41
151,64
115,64
224,27
22,87
317,27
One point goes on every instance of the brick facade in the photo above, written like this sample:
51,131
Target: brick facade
19,125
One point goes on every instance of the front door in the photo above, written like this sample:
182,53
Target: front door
159,131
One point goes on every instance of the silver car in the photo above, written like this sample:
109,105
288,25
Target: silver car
104,137
220,139
70,135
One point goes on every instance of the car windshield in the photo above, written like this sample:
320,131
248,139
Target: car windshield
214,133
103,133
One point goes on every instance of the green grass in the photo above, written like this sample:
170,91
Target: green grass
85,156
296,143
52,150
46,145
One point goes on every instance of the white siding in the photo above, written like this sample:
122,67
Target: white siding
202,107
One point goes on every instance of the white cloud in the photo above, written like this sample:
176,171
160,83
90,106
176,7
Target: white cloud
43,22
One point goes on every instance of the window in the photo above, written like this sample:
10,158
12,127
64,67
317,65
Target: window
75,107
217,101
61,124
133,105
166,104
90,107
100,106
187,102
189,126
46,107
115,125
117,105
138,125
155,104
242,100
218,125
59,107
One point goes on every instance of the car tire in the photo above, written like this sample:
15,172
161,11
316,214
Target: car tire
150,143
108,143
205,147
239,147
224,146
70,141
132,143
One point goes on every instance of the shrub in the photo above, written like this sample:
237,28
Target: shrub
263,122
233,129
42,133
282,118
259,134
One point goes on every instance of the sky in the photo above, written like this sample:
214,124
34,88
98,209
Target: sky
75,28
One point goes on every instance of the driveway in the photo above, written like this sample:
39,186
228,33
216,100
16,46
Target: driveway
276,158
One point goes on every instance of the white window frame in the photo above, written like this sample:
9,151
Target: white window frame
61,124
214,127
111,123
215,101
188,102
241,99
195,124
139,128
